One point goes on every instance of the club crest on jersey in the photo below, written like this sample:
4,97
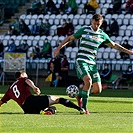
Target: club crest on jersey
87,37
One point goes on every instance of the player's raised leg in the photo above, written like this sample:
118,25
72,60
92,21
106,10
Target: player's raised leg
65,102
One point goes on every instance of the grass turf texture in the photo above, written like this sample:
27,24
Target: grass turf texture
111,112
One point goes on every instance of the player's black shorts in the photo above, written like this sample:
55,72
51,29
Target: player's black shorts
34,104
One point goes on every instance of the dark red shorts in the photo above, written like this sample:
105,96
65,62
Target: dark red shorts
34,104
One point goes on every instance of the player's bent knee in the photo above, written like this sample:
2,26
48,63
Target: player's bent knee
53,100
96,91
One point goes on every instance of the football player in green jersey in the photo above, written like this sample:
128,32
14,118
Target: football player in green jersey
90,39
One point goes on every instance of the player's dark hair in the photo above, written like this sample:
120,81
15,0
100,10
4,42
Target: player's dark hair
17,74
97,17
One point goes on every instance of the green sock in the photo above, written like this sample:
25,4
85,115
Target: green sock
85,96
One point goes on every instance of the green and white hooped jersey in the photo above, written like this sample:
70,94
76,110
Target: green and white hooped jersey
90,40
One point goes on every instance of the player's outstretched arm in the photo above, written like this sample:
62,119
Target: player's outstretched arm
63,43
32,85
120,48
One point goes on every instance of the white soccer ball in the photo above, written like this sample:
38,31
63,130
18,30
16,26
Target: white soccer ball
72,91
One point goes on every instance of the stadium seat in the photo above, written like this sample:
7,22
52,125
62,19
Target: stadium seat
64,16
13,36
108,49
99,55
109,1
19,37
30,51
75,21
5,42
41,42
106,5
77,16
112,55
108,16
103,10
87,21
25,37
56,21
101,49
52,16
27,21
130,27
125,37
119,38
32,21
31,37
73,55
7,37
120,21
131,21
125,21
75,49
105,55
121,16
35,16
125,64
98,10
28,16
17,42
69,49
53,43
61,38
80,9
113,38
53,30
103,1
71,16
123,27
81,21
83,1
37,37
58,16
113,65
29,42
130,42
119,64
121,32
89,16
128,32
51,21
115,16
55,38
23,16
49,38
34,42
67,53
127,16
46,16
83,16
42,37
41,16
130,38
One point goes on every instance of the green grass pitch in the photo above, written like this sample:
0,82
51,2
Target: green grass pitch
111,112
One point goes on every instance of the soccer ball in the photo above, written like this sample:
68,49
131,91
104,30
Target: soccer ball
72,91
